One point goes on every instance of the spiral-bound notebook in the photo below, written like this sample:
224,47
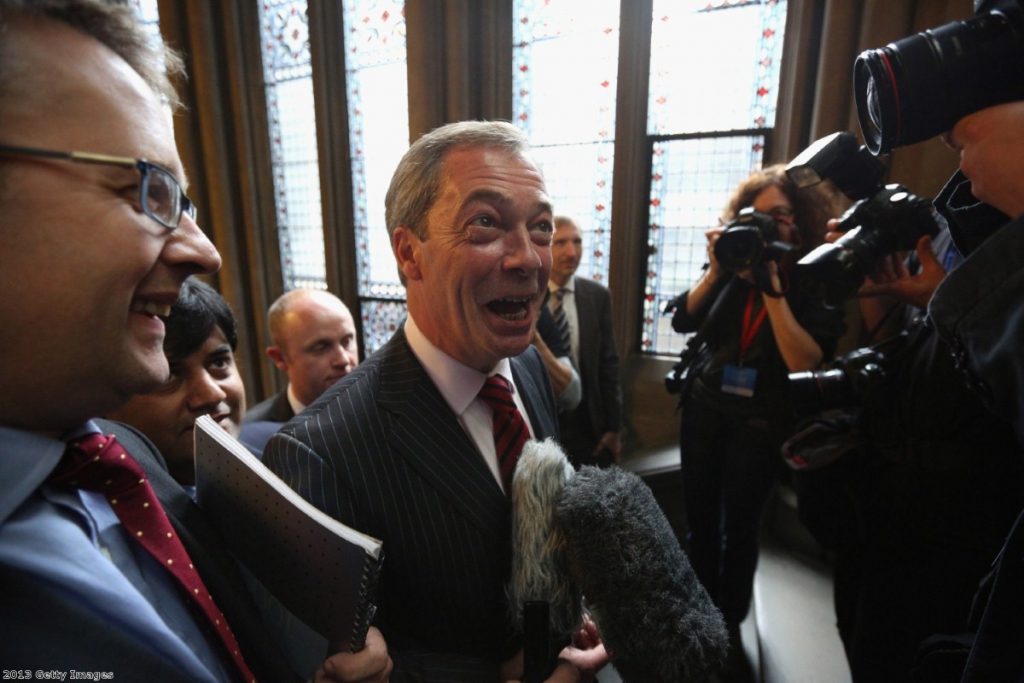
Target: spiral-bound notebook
322,571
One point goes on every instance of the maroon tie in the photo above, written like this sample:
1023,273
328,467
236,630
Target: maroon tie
99,463
510,430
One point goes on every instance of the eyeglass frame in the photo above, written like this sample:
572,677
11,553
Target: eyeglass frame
144,167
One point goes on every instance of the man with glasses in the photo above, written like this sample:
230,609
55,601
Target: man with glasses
105,563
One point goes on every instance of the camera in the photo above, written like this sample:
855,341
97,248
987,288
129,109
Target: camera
749,240
684,372
851,377
883,220
918,87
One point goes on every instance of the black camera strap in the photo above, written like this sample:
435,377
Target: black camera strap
684,369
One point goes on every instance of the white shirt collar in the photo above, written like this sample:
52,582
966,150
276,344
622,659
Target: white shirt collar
459,384
570,285
297,405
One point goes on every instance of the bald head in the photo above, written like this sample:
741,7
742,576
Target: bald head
314,341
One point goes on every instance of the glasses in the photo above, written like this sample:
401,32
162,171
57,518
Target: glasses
160,194
782,214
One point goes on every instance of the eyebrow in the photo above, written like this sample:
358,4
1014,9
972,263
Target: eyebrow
500,198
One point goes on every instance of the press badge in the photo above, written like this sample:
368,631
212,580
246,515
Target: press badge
739,380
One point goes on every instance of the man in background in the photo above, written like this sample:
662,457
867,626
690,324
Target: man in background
200,344
314,345
590,433
416,447
106,563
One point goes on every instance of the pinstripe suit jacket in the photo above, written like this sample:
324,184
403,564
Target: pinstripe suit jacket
382,452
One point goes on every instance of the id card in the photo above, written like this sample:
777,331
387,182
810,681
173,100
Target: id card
739,381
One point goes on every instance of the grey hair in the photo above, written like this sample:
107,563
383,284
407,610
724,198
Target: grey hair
417,179
114,24
539,570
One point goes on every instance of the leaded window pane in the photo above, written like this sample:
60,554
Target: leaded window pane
378,117
713,91
714,66
565,65
287,70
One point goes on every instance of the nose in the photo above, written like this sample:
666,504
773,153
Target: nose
344,359
522,252
204,393
190,250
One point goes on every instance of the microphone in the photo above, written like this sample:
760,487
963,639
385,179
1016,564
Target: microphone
539,570
600,533
655,617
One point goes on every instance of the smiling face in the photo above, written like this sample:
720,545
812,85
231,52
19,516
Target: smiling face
82,269
475,283
206,382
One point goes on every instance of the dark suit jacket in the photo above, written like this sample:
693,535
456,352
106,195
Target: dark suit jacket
274,409
600,410
382,452
78,637
263,421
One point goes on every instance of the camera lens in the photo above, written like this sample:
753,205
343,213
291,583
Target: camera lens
739,247
918,87
878,104
874,106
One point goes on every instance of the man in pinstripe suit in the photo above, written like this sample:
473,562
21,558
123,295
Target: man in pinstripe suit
402,448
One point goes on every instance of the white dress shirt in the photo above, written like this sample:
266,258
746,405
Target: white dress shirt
459,385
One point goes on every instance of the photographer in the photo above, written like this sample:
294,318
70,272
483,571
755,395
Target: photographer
966,80
735,414
931,490
979,310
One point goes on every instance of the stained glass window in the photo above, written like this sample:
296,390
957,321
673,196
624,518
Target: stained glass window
148,15
378,117
284,27
713,89
565,56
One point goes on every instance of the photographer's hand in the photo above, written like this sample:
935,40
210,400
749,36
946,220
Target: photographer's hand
699,292
897,282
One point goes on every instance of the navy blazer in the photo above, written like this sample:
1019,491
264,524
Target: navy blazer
382,452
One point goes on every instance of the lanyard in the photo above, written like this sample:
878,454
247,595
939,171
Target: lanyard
750,327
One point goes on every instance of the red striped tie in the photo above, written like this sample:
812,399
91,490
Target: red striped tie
99,463
510,430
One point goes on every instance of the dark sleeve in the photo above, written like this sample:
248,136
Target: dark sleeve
682,321
825,324
608,368
546,330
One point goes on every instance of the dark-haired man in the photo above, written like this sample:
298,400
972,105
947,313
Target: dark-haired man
200,344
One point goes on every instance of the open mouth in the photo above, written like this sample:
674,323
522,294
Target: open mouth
152,308
513,309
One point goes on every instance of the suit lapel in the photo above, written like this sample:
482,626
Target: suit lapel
586,317
542,420
281,410
425,432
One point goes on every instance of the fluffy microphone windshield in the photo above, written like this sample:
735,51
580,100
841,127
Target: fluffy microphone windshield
655,617
538,557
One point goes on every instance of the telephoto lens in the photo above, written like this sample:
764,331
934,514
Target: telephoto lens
920,86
